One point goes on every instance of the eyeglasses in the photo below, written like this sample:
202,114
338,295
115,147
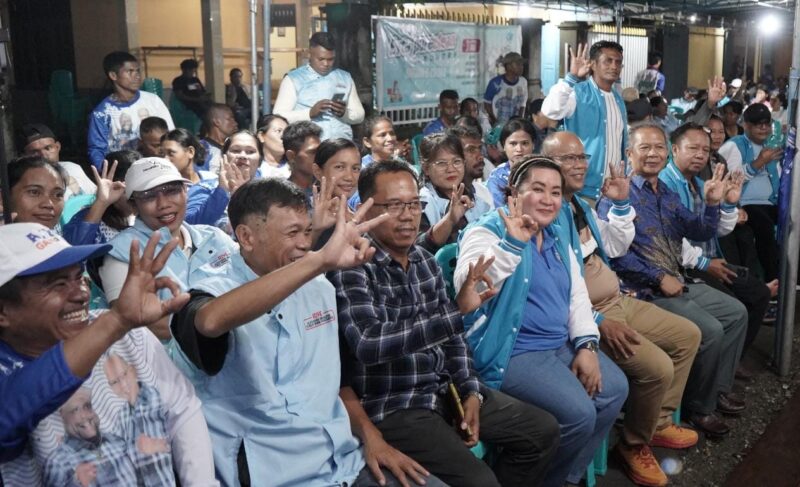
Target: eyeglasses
169,190
572,158
442,164
396,208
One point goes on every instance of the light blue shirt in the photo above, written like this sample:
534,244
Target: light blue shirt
278,390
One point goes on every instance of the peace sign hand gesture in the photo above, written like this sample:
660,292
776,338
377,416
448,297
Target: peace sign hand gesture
459,204
618,186
733,187
518,225
579,64
714,188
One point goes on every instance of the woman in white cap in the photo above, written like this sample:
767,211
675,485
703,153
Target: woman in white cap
159,196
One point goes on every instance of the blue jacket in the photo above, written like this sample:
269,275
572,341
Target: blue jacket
589,124
492,330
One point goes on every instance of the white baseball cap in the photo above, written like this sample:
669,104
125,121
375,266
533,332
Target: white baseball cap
31,248
737,83
149,172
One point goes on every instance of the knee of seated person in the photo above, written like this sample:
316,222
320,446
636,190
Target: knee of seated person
479,477
579,419
657,368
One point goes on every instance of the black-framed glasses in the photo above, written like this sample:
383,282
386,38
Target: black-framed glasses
396,208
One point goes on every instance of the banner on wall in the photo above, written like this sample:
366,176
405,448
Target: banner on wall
417,59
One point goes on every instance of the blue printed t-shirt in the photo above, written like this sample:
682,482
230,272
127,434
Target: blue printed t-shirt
544,323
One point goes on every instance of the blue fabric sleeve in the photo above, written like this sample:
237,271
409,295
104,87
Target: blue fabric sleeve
493,184
205,207
79,232
30,394
99,128
660,82
698,227
492,89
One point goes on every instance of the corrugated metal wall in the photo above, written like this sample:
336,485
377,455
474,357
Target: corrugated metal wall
634,47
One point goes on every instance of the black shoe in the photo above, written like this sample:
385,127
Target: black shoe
710,424
744,375
730,404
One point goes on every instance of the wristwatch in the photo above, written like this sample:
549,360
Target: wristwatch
479,396
590,345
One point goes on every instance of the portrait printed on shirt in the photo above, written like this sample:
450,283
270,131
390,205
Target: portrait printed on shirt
125,123
111,431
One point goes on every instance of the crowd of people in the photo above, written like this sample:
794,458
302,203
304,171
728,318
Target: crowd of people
297,308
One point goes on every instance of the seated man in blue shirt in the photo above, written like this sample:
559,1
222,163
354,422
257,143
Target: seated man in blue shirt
408,358
259,338
448,110
653,268
52,363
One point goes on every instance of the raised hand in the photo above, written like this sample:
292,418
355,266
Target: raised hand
138,303
326,206
346,247
717,89
518,225
733,187
108,190
469,299
579,64
231,176
459,204
714,188
618,186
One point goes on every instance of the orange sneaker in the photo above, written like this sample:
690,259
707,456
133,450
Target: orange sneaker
641,466
675,437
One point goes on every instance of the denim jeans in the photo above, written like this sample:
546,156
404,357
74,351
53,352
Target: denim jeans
545,379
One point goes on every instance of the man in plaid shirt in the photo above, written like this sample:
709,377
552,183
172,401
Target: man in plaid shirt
405,346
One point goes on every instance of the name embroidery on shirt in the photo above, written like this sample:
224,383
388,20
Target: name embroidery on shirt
319,318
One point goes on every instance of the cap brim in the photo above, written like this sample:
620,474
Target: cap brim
67,257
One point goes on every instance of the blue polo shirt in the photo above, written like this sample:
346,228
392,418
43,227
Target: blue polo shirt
544,322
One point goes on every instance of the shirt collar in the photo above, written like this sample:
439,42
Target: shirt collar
382,257
638,181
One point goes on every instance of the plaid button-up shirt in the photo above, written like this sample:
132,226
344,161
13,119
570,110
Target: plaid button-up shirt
404,335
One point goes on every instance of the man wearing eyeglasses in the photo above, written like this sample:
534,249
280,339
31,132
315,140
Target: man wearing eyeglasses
654,347
406,351
762,171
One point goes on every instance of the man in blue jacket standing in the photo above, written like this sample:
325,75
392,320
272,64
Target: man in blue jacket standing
601,122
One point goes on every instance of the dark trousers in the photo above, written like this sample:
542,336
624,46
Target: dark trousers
752,292
528,437
739,248
762,219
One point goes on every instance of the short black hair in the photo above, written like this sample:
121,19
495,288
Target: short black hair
295,135
535,106
465,131
516,124
186,139
657,100
124,159
737,107
463,106
257,196
324,40
330,148
597,48
366,181
11,292
151,124
432,144
235,70
19,166
189,64
227,144
115,60
468,122
679,133
369,124
266,120
448,95
653,58
212,112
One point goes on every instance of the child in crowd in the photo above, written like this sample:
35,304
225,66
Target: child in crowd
270,130
151,131
114,124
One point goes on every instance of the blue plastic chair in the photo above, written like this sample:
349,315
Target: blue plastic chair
446,258
415,141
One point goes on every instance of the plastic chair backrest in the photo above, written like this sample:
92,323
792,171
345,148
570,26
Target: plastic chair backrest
415,141
61,83
446,258
154,86
74,205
